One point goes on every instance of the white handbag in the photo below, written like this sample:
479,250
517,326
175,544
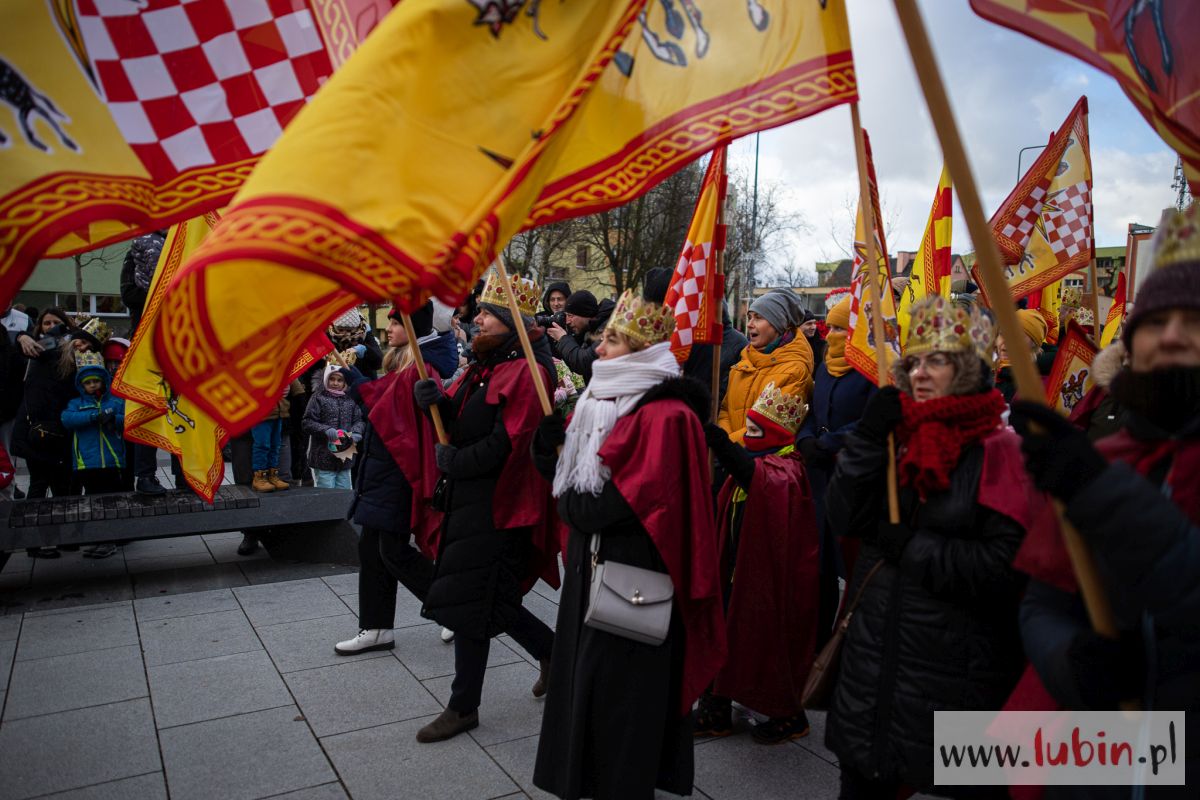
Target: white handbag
628,601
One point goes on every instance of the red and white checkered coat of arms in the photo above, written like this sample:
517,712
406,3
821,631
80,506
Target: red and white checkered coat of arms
193,83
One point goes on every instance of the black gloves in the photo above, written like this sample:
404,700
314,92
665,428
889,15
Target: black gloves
427,393
1107,671
1058,456
732,457
892,539
814,455
883,412
445,454
552,431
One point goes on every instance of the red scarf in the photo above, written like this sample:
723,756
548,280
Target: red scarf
932,436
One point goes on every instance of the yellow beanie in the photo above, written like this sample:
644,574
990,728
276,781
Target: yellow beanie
1033,324
839,315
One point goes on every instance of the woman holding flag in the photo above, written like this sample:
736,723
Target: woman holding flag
633,487
936,625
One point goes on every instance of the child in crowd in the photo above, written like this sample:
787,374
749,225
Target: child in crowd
330,411
268,443
96,421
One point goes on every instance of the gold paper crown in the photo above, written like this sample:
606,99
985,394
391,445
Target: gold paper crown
529,294
643,321
1072,298
349,356
86,358
94,326
1085,317
785,410
1178,238
939,325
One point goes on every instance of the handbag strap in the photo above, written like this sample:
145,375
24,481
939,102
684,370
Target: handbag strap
861,588
594,549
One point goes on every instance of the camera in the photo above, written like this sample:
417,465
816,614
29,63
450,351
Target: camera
545,320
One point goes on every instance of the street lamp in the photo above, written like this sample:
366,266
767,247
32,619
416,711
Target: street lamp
1021,152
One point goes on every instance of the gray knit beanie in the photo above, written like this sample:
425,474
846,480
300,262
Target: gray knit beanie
781,308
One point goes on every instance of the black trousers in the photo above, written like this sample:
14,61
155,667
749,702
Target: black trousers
145,460
99,481
59,479
471,655
386,560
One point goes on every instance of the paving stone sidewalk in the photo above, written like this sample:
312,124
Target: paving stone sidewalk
235,692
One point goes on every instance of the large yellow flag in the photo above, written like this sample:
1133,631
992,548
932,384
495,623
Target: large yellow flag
155,414
930,274
1116,314
860,341
129,115
454,127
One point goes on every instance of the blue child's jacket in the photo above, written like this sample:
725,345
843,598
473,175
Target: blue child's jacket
94,446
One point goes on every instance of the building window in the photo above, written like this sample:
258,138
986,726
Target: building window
581,256
102,305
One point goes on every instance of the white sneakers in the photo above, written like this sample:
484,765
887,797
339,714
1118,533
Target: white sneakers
447,635
365,642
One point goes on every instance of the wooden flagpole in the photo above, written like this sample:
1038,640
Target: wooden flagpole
423,374
1097,326
872,296
523,335
1029,386
715,401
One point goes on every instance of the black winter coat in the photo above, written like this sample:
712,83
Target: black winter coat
937,631
476,590
327,411
38,432
382,495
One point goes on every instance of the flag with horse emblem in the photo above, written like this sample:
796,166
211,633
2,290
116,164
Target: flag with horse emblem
458,124
1071,376
1148,46
860,341
697,290
1044,227
130,115
157,415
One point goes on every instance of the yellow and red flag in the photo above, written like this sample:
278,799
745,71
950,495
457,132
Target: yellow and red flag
697,289
930,273
1071,376
1147,47
157,415
1116,314
860,342
454,127
1044,228
1048,302
129,116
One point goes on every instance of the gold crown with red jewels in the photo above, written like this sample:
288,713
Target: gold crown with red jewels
94,326
528,293
643,321
88,358
785,410
1177,240
938,325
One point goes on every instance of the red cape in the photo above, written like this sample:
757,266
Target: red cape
523,497
771,623
409,436
659,464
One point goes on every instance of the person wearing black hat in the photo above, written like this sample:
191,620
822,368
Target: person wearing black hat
585,319
809,328
555,298
1134,498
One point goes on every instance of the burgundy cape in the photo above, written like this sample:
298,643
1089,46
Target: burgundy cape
645,451
409,436
523,497
771,624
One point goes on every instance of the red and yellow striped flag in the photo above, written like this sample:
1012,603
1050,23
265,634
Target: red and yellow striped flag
1116,314
697,289
930,274
860,341
456,125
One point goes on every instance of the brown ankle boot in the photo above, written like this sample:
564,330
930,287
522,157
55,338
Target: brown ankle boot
261,483
448,725
279,483
543,680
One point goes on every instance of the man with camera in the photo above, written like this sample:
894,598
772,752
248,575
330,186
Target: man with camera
575,341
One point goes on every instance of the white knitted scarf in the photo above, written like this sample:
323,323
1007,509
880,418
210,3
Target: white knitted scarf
616,387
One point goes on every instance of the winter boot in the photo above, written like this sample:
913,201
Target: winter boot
365,642
448,725
714,716
261,482
778,730
279,483
543,680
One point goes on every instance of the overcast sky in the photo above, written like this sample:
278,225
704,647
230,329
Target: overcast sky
1008,91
